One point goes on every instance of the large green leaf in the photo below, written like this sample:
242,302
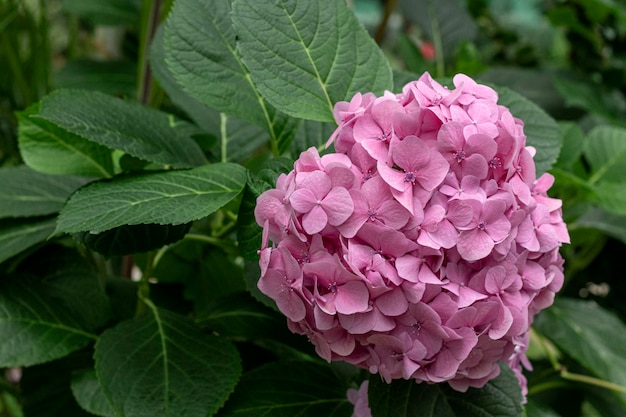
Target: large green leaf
305,56
88,393
26,192
311,134
50,311
19,235
541,130
289,389
200,51
589,334
500,397
129,239
605,150
612,224
237,139
611,197
161,364
573,142
240,316
138,130
172,197
43,144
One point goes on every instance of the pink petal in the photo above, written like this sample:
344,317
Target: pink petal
338,205
315,220
352,297
392,303
474,245
303,200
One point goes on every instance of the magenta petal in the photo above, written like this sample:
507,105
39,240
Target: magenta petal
474,245
291,305
352,297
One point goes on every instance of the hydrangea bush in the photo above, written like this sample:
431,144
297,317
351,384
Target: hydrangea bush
425,245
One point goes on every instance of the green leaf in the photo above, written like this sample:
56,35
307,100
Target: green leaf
316,51
311,134
203,116
238,140
129,239
541,130
592,97
612,224
19,235
172,197
448,21
248,231
535,409
573,142
500,397
26,192
161,364
105,12
110,77
53,312
611,197
88,394
284,389
589,334
238,315
43,145
212,71
123,125
605,150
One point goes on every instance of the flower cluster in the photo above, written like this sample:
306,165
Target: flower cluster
425,245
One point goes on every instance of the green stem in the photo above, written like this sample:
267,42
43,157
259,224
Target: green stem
586,379
390,5
224,137
149,21
143,289
437,41
211,240
565,374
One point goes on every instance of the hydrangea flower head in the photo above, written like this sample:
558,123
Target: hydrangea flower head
422,248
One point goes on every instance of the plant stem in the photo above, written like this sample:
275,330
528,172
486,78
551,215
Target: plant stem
149,21
565,374
437,41
586,379
224,137
143,289
390,5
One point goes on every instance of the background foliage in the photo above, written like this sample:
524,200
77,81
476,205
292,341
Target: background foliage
136,135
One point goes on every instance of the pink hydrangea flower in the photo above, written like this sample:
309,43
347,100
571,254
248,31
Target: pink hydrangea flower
423,248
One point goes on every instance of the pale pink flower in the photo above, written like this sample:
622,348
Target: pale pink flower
424,246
